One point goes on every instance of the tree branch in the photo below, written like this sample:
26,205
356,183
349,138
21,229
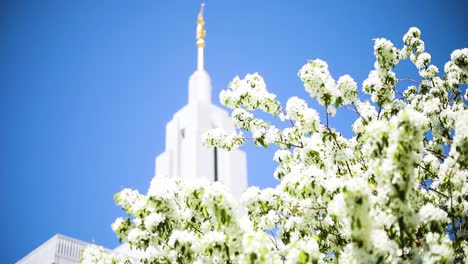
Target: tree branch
408,79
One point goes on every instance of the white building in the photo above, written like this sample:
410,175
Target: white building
57,250
184,157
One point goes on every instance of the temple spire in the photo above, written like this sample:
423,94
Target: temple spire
200,38
184,155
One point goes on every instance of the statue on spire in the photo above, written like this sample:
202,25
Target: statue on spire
201,28
200,38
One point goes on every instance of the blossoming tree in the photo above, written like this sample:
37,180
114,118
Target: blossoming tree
395,192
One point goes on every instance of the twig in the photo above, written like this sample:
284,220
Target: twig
415,239
408,79
327,119
290,144
290,120
339,147
428,171
402,95
439,155
277,142
434,190
353,110
451,208
363,162
275,243
401,225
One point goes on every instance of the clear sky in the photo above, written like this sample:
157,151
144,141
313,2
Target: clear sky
86,88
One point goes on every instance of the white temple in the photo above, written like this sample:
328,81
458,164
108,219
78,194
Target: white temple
184,157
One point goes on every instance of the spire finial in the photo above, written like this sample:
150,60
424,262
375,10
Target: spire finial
201,28
200,37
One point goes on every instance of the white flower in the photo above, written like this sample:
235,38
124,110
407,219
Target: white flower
96,254
242,118
385,53
372,83
380,86
440,249
153,220
139,204
219,138
310,120
250,93
348,89
429,212
383,244
250,196
318,82
306,247
135,235
289,135
295,106
117,223
255,242
331,110
127,197
293,222
461,126
163,187
332,184
282,155
182,237
269,220
430,72
416,118
366,110
432,106
423,60
460,57
272,135
215,237
412,33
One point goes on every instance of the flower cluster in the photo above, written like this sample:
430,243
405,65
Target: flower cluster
180,222
381,82
320,84
394,192
96,254
249,93
218,137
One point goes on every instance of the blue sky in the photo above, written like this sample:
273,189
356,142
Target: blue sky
88,86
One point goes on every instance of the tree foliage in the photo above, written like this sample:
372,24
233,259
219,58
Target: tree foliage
396,191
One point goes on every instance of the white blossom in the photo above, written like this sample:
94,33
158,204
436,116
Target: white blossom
439,249
135,234
348,89
181,237
117,223
153,219
423,60
429,213
385,53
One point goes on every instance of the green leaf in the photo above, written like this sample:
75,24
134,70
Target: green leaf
303,257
